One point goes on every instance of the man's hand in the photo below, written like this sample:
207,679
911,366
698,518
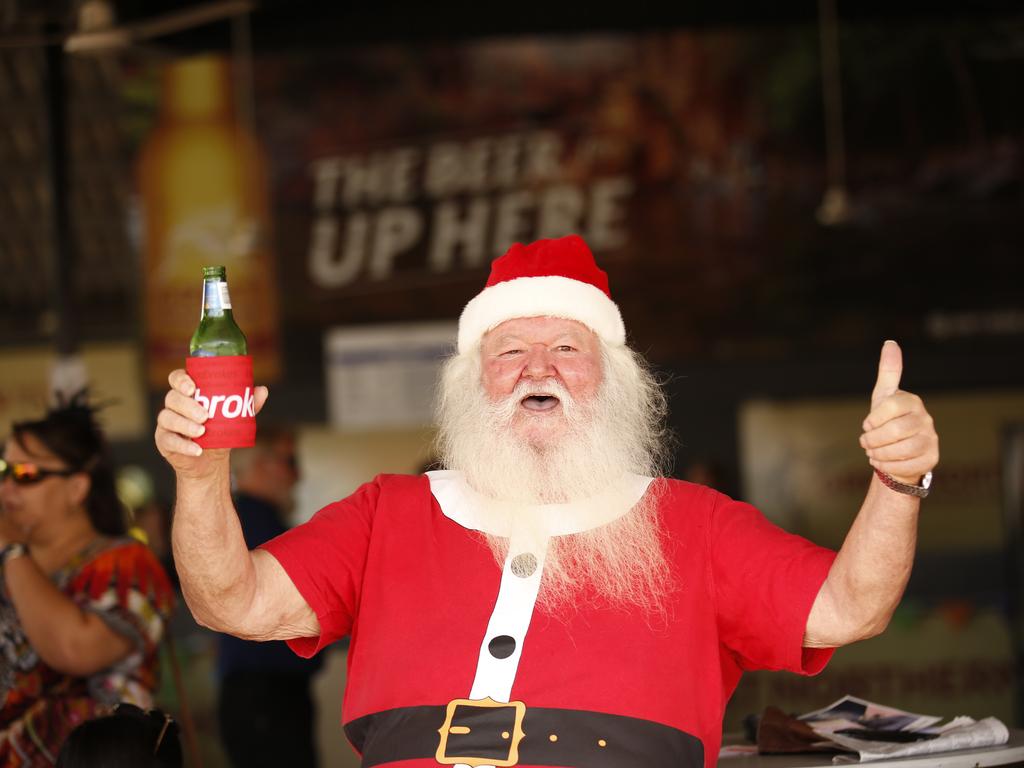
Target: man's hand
226,587
181,420
869,574
899,434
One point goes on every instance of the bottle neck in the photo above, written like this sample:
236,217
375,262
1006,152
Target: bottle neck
216,299
197,88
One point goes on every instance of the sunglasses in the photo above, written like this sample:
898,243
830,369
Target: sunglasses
27,473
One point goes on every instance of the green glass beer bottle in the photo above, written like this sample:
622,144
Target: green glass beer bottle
218,334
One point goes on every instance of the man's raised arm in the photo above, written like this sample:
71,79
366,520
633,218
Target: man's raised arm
868,577
227,587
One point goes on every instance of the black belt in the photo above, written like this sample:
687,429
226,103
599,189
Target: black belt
492,733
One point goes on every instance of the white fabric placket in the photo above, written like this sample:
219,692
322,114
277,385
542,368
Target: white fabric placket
511,617
513,611
517,595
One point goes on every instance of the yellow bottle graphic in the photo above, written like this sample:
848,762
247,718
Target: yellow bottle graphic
205,199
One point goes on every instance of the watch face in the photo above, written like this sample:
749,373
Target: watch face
926,481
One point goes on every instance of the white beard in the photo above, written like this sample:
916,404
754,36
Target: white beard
617,434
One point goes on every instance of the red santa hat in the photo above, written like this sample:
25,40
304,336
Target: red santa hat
548,278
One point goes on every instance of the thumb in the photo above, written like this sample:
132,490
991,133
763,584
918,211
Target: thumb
260,395
890,368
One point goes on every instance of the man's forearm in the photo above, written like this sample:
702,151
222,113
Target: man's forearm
226,587
213,562
869,574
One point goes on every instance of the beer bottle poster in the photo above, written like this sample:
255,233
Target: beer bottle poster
204,192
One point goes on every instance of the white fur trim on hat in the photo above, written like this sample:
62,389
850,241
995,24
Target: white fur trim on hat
549,296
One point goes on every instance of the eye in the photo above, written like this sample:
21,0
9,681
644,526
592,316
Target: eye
565,348
510,352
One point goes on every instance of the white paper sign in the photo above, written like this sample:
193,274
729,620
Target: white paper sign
385,376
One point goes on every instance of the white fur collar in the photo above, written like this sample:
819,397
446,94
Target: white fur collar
461,504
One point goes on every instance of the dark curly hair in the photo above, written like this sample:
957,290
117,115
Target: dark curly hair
129,738
71,432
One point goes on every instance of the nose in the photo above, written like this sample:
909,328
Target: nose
7,489
539,363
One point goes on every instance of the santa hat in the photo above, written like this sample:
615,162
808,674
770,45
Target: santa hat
548,278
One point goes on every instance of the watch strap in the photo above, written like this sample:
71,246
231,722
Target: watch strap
14,549
920,491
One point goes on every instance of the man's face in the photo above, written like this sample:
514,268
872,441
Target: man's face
525,356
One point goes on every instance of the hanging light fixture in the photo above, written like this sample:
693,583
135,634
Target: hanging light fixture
835,206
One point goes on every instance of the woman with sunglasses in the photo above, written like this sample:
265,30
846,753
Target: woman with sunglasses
82,606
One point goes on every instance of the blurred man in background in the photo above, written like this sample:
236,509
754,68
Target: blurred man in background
266,712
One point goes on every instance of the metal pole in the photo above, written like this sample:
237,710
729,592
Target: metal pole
61,250
1013,519
832,94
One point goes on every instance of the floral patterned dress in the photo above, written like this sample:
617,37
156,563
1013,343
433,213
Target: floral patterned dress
121,581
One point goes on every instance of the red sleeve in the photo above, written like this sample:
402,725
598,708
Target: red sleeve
325,559
765,582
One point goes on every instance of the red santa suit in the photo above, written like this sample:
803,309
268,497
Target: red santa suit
435,626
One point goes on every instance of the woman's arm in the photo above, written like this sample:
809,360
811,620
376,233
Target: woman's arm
66,637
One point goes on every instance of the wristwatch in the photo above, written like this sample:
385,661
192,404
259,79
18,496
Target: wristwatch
14,549
921,491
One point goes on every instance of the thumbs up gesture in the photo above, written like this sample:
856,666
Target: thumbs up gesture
899,434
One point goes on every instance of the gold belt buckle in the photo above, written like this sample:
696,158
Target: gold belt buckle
514,736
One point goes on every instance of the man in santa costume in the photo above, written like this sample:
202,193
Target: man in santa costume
549,598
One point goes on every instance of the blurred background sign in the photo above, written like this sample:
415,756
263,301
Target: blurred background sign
952,639
385,377
457,204
204,199
802,463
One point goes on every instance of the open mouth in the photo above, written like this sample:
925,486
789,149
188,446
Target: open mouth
539,402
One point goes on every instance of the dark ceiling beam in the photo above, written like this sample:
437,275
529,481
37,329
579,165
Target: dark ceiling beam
291,24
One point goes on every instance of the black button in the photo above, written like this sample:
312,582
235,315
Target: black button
502,646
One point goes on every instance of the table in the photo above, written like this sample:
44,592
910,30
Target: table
1011,752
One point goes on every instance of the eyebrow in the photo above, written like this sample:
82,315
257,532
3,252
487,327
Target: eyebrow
504,339
513,339
569,336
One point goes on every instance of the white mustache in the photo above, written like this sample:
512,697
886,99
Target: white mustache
504,409
549,387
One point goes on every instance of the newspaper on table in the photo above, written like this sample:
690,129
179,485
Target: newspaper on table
876,732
